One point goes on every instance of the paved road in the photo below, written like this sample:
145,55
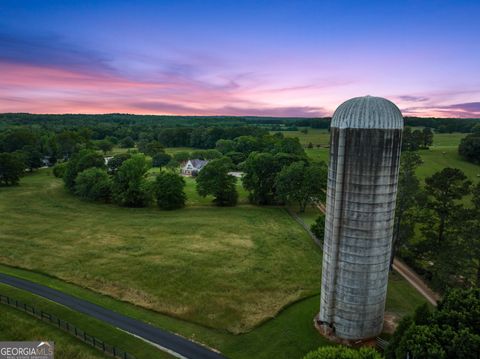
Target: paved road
171,343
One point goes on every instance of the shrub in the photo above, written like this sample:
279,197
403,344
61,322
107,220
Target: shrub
59,169
318,228
341,352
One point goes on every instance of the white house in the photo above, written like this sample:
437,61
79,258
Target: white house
192,167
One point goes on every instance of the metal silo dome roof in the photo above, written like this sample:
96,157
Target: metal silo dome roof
367,112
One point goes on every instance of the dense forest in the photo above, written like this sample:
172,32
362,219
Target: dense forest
442,125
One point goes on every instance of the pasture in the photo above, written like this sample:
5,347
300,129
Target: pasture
443,153
225,268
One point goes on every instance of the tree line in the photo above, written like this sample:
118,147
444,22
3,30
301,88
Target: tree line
437,224
276,171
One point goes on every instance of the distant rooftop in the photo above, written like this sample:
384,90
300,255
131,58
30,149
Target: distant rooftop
367,112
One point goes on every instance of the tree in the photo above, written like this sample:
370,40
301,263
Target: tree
127,142
11,168
318,228
342,352
214,180
443,189
105,146
129,186
261,170
31,157
67,143
168,190
116,161
411,141
468,251
236,157
302,184
79,162
93,184
469,148
444,219
289,145
449,331
161,159
407,196
172,165
181,156
17,139
150,148
427,137
206,154
247,144
225,146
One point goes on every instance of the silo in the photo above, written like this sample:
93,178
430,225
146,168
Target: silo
365,143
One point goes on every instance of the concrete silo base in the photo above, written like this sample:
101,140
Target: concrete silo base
327,332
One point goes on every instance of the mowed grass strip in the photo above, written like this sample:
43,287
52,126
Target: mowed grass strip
227,268
18,326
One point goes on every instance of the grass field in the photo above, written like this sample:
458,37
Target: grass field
17,326
444,153
215,266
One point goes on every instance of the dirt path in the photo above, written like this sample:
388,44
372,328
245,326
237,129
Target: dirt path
416,281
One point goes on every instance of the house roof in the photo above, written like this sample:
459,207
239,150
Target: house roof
198,164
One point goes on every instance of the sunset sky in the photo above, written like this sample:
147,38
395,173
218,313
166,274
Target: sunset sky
261,58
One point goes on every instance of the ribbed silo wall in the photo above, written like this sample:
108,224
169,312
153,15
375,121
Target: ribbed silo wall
361,194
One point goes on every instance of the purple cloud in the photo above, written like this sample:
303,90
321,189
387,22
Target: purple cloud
467,107
250,110
413,98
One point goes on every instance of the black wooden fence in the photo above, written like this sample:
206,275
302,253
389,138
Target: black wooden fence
68,327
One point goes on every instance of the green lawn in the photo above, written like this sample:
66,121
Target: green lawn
18,326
